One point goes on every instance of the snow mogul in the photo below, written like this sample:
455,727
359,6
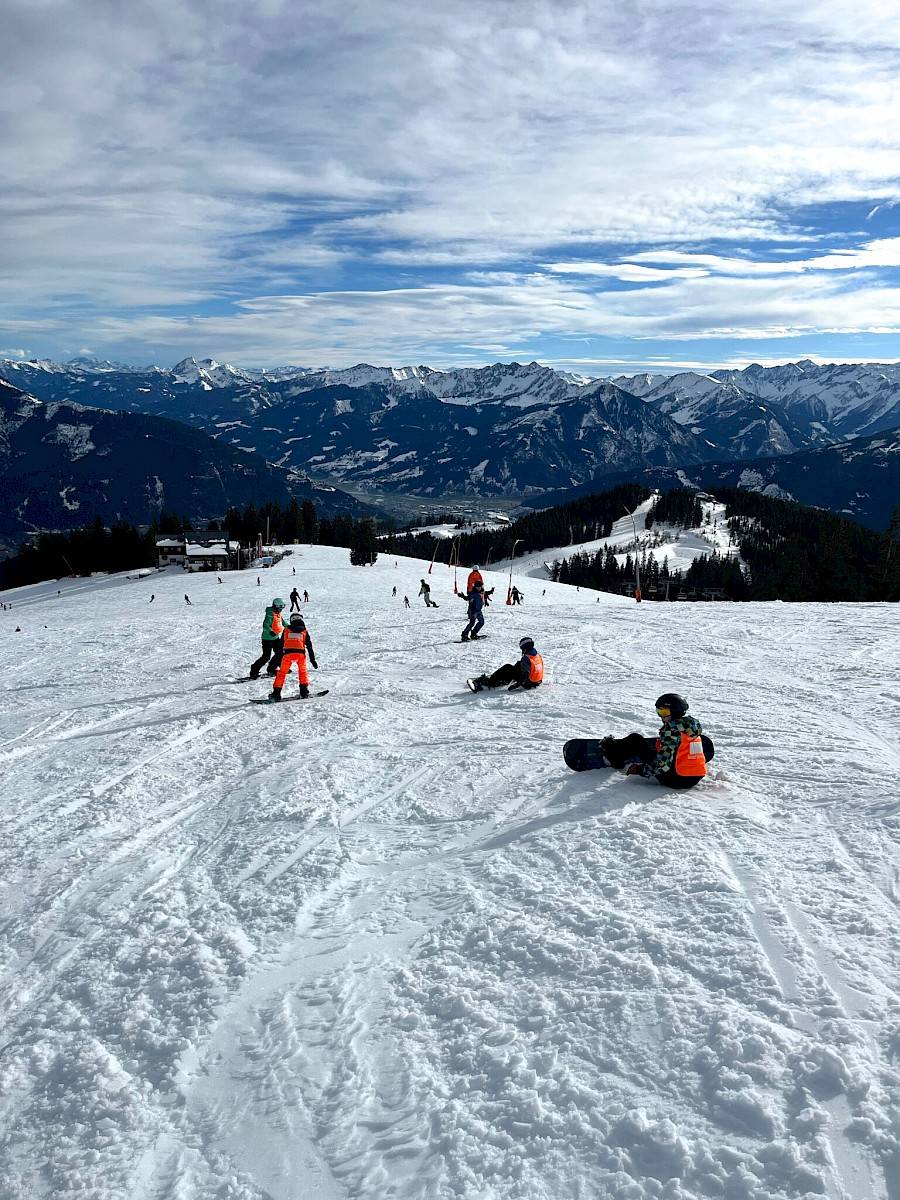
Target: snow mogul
676,757
525,675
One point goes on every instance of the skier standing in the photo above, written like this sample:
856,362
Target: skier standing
295,600
394,590
475,600
297,645
272,629
526,674
406,602
305,596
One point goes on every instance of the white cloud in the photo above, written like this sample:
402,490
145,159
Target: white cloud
194,151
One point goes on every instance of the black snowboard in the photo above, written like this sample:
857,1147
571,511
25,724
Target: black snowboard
482,637
285,699
584,754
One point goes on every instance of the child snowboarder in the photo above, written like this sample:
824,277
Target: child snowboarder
475,600
273,628
676,758
526,674
297,645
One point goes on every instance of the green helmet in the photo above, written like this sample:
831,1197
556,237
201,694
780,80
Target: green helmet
278,604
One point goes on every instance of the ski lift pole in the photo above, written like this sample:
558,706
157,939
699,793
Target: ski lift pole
454,558
637,573
434,555
518,542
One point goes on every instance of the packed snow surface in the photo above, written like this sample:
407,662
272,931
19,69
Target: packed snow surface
383,945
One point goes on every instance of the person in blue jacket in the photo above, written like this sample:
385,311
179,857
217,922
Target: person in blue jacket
475,600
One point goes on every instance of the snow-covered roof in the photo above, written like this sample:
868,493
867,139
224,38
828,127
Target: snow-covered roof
218,551
161,542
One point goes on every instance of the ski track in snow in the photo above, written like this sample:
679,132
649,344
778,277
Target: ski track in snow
385,946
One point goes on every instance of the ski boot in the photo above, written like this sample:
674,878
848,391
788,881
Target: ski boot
275,693
304,691
464,638
474,685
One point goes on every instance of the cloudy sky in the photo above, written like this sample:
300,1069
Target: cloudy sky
596,185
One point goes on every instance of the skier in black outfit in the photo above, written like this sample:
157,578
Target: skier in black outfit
516,596
475,600
526,674
186,598
295,600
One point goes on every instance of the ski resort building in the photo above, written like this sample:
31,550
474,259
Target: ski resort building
199,550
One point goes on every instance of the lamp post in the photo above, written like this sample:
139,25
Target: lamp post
517,542
637,573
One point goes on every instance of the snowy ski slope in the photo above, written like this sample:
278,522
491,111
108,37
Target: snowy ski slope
384,946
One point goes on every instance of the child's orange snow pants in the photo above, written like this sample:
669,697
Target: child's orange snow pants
284,670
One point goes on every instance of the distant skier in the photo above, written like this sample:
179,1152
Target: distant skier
394,590
406,603
218,579
425,592
515,595
297,645
295,600
475,600
258,581
187,599
305,596
676,758
293,570
474,577
526,674
273,628
152,597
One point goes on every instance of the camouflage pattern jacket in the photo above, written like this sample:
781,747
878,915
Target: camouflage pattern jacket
668,741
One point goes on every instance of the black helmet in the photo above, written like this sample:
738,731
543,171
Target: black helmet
297,621
526,643
677,705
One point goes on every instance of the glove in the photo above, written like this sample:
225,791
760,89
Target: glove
635,769
514,687
315,664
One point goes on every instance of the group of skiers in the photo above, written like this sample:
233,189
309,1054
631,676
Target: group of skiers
286,646
676,757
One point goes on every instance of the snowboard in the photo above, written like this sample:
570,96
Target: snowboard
584,754
287,699
482,637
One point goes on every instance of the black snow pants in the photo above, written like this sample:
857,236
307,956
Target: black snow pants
508,673
271,648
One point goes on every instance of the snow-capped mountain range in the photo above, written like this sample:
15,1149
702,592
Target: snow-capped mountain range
62,464
507,428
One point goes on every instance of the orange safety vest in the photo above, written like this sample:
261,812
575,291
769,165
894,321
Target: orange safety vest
294,641
535,668
690,761
474,577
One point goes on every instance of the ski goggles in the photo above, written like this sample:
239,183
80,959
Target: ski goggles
664,712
